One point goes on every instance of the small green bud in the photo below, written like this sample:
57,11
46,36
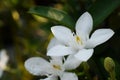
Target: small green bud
109,64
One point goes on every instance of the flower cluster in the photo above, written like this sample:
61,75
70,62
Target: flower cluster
77,46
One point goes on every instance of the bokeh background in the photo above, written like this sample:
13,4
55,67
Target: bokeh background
25,35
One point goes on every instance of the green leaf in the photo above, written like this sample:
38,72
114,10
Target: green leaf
53,14
101,9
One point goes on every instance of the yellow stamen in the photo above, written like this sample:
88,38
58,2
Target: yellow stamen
57,67
78,40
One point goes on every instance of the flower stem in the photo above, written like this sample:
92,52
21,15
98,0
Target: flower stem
86,70
112,75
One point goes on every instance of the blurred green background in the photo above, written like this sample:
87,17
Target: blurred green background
25,35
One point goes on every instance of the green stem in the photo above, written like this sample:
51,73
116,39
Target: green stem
86,70
8,69
112,75
80,73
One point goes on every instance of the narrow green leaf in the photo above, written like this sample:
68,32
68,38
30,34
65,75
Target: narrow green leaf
54,14
101,9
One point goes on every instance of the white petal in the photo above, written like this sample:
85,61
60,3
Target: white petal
98,37
71,62
56,61
53,42
37,66
84,54
3,58
60,50
69,76
50,78
1,73
63,34
57,58
84,24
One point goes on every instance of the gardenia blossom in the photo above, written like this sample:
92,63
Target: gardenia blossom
79,43
53,69
3,61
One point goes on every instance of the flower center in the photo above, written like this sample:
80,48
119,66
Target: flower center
79,41
57,67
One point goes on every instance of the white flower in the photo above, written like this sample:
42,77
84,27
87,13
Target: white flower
53,69
3,61
80,41
70,60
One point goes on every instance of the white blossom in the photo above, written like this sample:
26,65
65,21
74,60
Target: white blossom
79,43
53,69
